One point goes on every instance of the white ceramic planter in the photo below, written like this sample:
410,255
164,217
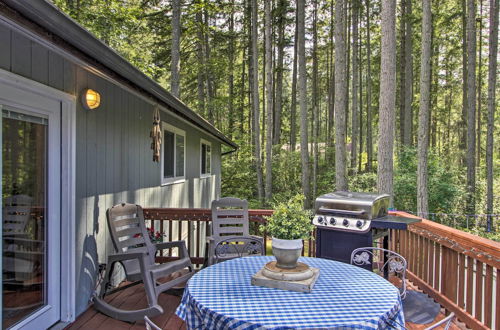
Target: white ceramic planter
287,252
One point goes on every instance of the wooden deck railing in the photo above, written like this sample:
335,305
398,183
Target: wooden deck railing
459,270
193,226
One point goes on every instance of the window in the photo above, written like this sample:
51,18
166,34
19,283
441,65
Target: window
173,154
206,158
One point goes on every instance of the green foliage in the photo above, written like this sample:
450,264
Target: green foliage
366,182
445,191
239,178
290,220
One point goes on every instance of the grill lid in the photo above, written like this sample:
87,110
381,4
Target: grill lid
353,204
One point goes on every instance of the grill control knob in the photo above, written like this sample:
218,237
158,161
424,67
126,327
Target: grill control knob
320,219
359,224
346,223
333,221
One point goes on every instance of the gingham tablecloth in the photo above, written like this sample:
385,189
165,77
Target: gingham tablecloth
344,296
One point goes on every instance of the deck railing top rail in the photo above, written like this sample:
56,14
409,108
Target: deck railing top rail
196,214
480,248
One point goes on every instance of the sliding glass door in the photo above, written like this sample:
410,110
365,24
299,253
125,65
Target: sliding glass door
30,212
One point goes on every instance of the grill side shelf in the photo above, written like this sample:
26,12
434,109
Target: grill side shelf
393,222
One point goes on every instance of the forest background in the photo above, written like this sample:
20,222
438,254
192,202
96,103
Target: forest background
361,95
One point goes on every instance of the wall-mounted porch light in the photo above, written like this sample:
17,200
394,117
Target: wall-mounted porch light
91,99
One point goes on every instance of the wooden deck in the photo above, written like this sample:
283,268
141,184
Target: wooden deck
134,298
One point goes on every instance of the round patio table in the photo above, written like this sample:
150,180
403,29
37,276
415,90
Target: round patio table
344,296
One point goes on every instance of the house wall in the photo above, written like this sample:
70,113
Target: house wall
113,156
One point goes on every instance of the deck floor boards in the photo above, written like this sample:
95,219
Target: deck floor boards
134,297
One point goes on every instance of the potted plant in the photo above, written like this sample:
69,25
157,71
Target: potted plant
288,226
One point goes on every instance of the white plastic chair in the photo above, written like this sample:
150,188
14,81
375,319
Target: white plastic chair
230,229
136,253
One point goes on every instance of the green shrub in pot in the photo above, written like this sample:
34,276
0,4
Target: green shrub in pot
288,226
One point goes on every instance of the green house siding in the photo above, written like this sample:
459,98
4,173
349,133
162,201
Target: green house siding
113,156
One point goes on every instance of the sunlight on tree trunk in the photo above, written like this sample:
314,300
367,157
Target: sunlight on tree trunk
301,52
387,100
269,99
255,101
176,42
492,79
471,106
423,115
340,97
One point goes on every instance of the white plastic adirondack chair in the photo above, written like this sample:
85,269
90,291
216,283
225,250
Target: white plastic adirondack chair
16,215
135,251
230,226
21,252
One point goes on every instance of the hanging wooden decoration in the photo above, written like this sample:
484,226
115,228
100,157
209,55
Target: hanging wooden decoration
156,135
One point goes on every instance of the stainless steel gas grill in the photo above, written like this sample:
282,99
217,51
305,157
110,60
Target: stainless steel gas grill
349,220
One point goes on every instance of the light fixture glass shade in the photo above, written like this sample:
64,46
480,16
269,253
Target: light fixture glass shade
91,99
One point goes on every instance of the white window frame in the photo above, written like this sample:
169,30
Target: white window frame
208,143
176,178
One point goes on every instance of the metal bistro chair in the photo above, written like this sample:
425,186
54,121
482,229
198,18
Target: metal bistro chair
150,325
395,263
230,233
446,321
135,251
237,247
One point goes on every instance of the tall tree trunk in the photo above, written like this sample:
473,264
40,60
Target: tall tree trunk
269,99
360,69
245,62
243,94
408,74
479,85
250,137
315,110
423,115
231,73
347,27
369,120
340,96
402,58
433,113
293,106
355,87
208,69
463,140
255,101
331,85
301,52
201,63
471,105
448,105
176,44
492,79
282,6
264,98
387,100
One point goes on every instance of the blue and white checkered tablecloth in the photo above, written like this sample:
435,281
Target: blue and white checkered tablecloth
344,296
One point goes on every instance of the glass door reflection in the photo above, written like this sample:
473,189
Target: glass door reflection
24,200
